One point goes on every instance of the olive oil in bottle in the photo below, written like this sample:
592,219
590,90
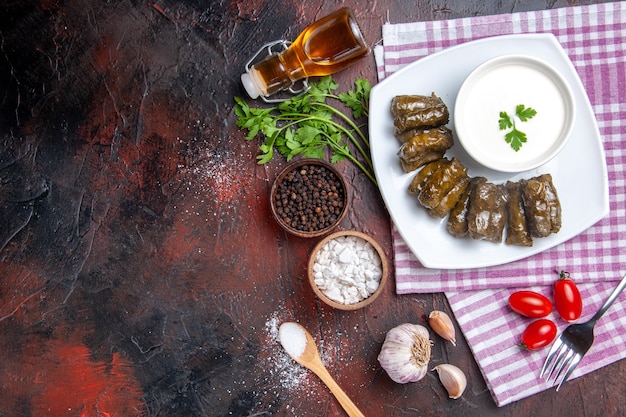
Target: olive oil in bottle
325,47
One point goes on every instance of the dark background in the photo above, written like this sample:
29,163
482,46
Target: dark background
141,272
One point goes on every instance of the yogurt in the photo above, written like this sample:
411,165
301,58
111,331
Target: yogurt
500,85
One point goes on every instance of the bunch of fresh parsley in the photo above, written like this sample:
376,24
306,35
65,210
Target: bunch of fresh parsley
515,137
307,125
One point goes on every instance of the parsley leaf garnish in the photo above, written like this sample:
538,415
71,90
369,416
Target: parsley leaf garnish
515,137
307,125
524,113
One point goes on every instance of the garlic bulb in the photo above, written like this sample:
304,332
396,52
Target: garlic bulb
441,323
405,353
452,378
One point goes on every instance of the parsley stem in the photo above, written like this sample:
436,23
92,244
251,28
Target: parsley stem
347,120
351,157
336,97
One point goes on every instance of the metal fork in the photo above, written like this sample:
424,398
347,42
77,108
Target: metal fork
568,350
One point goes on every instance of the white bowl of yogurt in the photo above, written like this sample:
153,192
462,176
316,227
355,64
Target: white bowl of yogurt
514,113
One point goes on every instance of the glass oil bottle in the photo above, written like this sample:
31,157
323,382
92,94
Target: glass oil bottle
323,48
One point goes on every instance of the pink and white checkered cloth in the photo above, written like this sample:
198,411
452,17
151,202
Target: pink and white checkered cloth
595,39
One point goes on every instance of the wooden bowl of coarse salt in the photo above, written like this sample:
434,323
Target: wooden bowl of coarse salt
348,270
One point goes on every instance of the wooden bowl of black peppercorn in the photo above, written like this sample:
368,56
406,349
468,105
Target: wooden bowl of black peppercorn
309,198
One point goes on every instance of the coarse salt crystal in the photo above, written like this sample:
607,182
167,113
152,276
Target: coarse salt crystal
372,285
346,256
334,294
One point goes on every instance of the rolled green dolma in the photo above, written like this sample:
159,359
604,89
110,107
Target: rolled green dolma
516,228
427,137
407,135
441,182
419,180
424,147
446,204
542,205
425,157
418,112
486,214
404,104
457,221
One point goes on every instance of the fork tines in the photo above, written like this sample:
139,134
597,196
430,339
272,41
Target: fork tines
561,360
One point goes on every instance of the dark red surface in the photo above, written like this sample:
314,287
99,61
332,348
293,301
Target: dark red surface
141,271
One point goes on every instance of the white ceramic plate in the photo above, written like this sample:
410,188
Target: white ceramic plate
579,171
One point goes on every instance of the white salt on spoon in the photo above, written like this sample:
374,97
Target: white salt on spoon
299,344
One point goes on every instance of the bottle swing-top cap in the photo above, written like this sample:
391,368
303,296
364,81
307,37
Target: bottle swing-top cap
251,84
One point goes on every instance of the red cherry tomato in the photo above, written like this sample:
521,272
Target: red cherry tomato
539,334
530,304
567,299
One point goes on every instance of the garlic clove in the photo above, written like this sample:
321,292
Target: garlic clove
441,324
452,378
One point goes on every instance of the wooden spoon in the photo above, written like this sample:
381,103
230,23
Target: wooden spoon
310,358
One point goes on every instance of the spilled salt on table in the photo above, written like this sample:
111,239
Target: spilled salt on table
293,339
347,269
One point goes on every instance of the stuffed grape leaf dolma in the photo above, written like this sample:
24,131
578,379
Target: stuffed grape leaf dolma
543,208
486,215
424,147
516,228
457,221
446,204
408,104
419,180
407,135
441,182
414,111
